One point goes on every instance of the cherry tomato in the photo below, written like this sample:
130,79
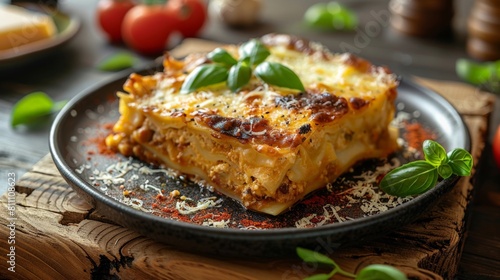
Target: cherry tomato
496,146
110,14
147,28
192,15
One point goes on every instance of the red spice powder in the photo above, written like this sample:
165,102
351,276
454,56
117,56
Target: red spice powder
315,200
416,134
257,224
99,142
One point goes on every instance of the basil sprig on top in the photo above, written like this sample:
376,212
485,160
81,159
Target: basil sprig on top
419,176
238,72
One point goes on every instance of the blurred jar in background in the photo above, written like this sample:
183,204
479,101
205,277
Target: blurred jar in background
235,13
422,18
483,41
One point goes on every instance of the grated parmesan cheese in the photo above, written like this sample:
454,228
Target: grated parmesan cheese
202,204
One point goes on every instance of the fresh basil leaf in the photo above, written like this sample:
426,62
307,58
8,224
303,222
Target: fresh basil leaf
412,178
472,72
434,152
445,171
253,50
31,107
204,75
239,75
380,272
461,162
475,72
319,16
342,17
220,55
117,62
314,257
279,75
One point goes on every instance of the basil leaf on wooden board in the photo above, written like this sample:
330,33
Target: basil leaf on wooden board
254,51
204,75
220,55
460,161
239,75
412,178
434,152
30,108
314,257
279,75
380,272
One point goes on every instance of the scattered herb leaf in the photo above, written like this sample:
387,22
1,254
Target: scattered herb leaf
419,176
239,72
254,51
483,74
380,272
371,272
314,257
32,107
220,55
279,75
330,16
117,62
204,75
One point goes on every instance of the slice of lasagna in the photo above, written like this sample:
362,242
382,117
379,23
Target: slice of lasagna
264,146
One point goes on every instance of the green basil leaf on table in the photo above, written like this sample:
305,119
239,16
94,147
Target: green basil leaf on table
472,72
32,107
239,75
330,16
460,161
117,62
343,18
434,152
220,55
483,74
279,75
204,75
412,178
314,257
254,51
380,272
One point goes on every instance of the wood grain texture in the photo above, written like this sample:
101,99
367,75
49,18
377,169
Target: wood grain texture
59,236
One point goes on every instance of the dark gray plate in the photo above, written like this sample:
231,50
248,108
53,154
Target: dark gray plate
85,121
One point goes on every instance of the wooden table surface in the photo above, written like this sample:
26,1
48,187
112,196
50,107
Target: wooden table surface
71,69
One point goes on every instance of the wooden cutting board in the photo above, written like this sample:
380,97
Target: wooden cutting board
59,236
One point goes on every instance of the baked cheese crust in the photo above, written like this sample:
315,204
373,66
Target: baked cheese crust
264,146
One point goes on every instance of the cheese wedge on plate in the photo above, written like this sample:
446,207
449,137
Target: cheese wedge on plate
19,26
